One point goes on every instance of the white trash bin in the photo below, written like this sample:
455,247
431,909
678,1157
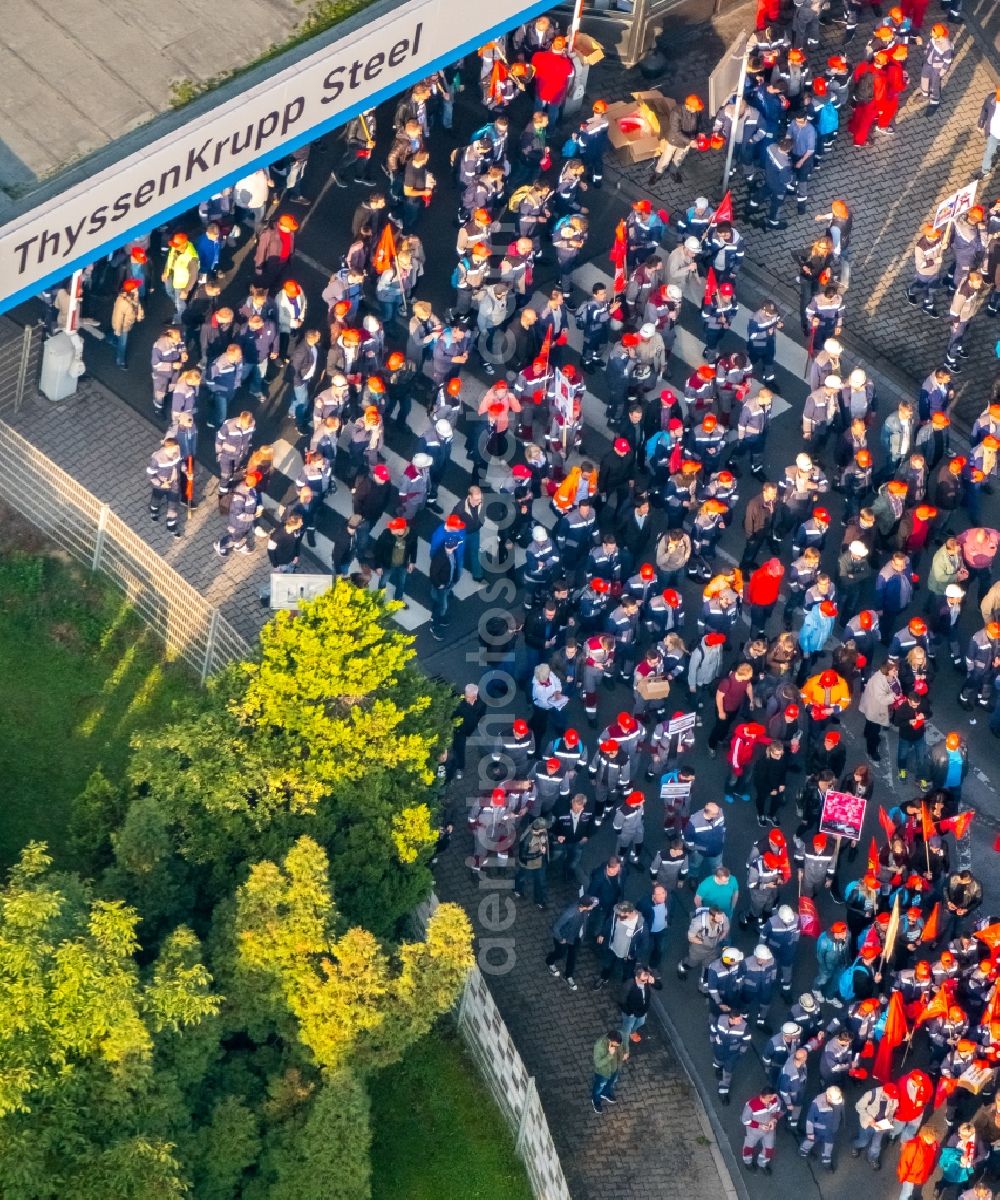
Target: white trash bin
62,365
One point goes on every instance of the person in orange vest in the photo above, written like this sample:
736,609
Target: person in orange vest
917,1160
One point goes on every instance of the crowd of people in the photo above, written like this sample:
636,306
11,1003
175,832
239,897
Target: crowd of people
640,644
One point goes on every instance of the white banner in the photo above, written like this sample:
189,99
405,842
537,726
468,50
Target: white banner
251,130
956,205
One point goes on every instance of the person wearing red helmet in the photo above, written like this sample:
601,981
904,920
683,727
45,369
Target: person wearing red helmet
629,825
125,315
718,311
494,830
515,748
611,773
832,956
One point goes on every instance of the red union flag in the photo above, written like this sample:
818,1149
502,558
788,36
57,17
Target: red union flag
808,917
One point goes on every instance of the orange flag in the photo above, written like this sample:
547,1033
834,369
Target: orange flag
958,824
497,76
937,1006
873,856
932,930
546,349
887,826
894,1033
619,255
384,254
990,935
926,823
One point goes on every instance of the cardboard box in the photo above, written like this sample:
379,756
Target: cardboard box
587,49
638,145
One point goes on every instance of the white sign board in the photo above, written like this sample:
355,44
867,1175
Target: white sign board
212,151
956,205
290,591
725,79
563,396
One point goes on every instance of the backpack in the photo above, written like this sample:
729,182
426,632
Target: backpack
517,197
863,89
845,984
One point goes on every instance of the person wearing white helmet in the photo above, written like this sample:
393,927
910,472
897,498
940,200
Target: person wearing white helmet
413,486
696,220
540,564
826,362
824,1118
781,933
724,981
779,1050
650,357
857,397
819,412
682,268
760,975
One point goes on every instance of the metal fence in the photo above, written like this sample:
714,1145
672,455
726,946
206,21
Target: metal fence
20,358
503,1071
188,625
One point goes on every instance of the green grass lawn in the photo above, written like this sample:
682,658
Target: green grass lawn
80,676
437,1133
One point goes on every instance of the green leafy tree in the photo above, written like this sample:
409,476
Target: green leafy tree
94,814
346,1001
333,732
89,1105
322,1152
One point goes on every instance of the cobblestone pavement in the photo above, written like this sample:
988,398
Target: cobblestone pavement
104,444
891,186
656,1143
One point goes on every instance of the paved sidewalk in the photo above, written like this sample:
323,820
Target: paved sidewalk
891,186
104,444
656,1144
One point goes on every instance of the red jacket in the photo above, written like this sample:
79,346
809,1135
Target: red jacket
915,1092
916,1161
552,75
763,586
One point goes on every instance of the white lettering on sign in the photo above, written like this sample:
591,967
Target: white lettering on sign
174,172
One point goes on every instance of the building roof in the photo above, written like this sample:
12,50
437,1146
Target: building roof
77,75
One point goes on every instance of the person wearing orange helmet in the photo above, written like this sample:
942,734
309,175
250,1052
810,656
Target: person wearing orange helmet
180,272
684,123
949,764
274,250
552,70
592,142
868,92
938,58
